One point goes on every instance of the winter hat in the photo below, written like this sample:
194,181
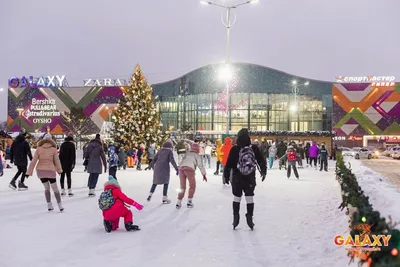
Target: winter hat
167,144
47,137
112,180
195,148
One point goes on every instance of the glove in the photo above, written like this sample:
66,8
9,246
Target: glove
204,178
138,206
263,177
177,172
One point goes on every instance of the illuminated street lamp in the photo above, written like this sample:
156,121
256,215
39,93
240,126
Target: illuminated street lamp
226,74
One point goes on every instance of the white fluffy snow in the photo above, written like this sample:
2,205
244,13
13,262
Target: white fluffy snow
383,195
296,222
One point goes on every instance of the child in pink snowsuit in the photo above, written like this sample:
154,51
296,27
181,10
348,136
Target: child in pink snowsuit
119,208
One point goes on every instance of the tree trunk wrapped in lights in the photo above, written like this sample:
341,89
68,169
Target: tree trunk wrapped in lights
136,120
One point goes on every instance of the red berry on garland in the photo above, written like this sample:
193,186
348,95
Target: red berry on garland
395,252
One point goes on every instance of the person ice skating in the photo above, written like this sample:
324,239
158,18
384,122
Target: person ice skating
207,154
291,158
151,151
323,153
1,166
161,166
113,161
47,164
122,157
218,151
243,160
187,170
299,151
181,150
19,153
113,202
271,155
226,148
280,153
131,158
307,154
334,150
96,158
139,155
85,161
68,159
313,152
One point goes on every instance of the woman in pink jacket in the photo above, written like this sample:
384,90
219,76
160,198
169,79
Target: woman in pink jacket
118,209
47,165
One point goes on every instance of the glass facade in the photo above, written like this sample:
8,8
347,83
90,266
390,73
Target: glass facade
256,111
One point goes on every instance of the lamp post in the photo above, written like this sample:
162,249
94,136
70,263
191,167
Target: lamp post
20,110
226,73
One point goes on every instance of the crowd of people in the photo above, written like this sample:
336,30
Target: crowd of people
237,158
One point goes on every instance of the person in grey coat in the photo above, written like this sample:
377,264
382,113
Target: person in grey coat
151,152
95,156
161,167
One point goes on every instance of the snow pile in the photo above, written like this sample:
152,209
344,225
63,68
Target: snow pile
383,195
296,221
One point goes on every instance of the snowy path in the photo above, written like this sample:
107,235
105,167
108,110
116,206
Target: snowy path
296,222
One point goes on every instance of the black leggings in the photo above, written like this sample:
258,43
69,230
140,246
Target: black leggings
69,182
21,170
313,160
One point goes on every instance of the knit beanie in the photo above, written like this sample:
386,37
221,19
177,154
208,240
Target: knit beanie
112,180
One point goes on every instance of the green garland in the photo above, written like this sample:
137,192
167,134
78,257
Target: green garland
365,214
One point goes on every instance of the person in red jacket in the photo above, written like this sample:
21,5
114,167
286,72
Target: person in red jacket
226,148
119,208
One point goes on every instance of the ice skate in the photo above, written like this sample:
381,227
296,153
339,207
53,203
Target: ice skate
63,192
149,198
131,227
165,200
50,206
190,204
70,194
216,173
92,193
107,226
60,207
12,185
236,216
178,204
22,187
249,215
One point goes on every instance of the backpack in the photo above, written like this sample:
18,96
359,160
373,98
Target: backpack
247,161
106,200
291,156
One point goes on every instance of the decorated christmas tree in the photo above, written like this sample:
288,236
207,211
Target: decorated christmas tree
136,120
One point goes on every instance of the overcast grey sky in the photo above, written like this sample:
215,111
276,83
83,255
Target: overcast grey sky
102,38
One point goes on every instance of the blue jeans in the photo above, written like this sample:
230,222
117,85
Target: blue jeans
207,159
271,161
165,189
93,178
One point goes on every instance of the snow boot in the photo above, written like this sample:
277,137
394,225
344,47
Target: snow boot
131,227
50,206
165,200
107,226
236,216
60,207
22,187
190,204
63,192
12,185
70,194
178,204
249,215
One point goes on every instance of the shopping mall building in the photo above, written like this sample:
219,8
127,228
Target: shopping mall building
260,98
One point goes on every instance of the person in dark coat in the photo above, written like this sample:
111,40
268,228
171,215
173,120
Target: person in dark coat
307,153
323,153
19,153
151,151
161,166
242,183
68,160
299,155
282,147
96,158
139,155
264,149
122,157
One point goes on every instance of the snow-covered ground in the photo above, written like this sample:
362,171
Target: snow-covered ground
296,222
384,196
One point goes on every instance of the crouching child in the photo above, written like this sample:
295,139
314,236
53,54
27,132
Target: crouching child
291,158
114,204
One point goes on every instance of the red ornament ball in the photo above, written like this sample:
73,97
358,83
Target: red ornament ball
395,252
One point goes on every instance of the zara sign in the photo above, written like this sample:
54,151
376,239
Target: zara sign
36,82
104,82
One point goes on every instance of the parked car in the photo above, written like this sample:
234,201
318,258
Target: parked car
395,152
358,153
375,151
